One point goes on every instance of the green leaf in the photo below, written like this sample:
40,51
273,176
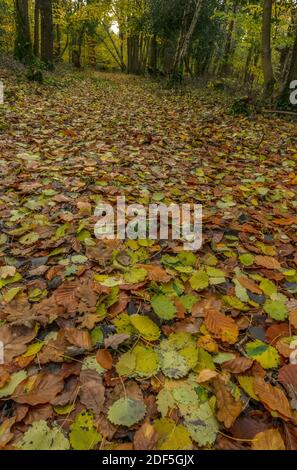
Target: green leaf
145,327
126,412
247,259
266,355
135,275
268,287
29,238
202,425
173,365
90,363
276,309
83,435
172,436
126,364
41,437
163,307
199,280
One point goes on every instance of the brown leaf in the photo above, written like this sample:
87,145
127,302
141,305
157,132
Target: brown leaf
238,365
104,358
247,426
267,262
5,433
4,376
146,437
7,271
288,377
277,331
92,391
293,318
272,397
15,340
205,375
79,338
228,408
290,434
38,413
115,340
268,440
250,285
119,306
156,273
38,389
54,350
221,326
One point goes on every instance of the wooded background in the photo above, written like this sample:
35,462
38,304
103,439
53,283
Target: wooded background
253,42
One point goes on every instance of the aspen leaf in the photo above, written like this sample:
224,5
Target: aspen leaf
41,437
126,412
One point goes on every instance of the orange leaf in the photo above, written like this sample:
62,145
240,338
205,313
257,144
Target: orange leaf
267,262
228,408
79,338
273,398
238,365
268,440
104,358
293,317
156,273
221,326
250,285
206,375
286,221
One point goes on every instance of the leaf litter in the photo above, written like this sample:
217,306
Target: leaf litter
137,342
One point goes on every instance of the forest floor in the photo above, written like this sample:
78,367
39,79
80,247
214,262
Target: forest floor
119,344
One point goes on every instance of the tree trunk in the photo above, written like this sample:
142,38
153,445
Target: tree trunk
269,80
47,33
184,47
228,46
284,96
57,47
36,27
23,44
153,55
